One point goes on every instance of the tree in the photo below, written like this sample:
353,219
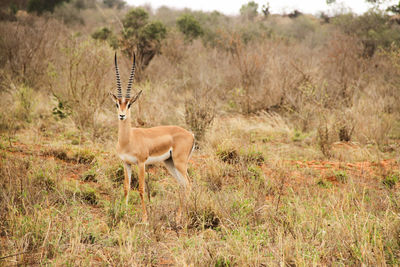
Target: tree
102,34
114,3
189,26
372,28
265,10
249,10
40,6
136,18
375,2
394,8
105,34
142,36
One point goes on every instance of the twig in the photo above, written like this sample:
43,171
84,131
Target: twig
12,255
116,17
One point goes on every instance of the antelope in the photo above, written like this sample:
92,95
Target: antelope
172,145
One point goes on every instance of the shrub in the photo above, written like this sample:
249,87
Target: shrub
341,176
255,172
116,212
324,183
81,79
142,36
114,3
325,140
40,6
198,116
61,110
24,100
228,155
189,26
89,195
84,156
247,88
23,46
43,179
298,136
249,10
203,219
252,156
102,34
117,176
105,34
89,176
391,180
373,28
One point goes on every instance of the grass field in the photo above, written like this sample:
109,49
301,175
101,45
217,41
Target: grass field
261,196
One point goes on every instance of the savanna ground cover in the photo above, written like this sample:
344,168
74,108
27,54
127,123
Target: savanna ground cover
297,122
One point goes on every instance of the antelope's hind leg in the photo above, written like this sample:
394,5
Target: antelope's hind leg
182,180
184,186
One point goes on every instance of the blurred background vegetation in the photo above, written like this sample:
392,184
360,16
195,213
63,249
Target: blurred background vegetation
310,69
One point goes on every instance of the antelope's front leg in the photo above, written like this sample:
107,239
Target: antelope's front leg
127,180
141,189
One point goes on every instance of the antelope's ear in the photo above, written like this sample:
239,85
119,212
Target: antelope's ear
113,96
133,99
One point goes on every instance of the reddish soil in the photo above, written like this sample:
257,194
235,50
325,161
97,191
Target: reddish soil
358,169
296,174
71,170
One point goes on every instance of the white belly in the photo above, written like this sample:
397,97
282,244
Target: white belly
128,158
161,158
150,160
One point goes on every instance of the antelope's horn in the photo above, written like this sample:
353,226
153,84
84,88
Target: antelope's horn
119,88
128,90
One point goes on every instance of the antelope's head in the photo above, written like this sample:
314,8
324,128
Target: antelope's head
123,104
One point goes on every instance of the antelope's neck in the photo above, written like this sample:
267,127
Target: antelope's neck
124,131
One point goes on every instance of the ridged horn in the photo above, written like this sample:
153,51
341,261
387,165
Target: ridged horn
119,88
128,89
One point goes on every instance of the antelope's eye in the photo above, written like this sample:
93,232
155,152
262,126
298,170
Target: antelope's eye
129,105
116,105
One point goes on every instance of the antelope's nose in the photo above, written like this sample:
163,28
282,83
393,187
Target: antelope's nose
121,117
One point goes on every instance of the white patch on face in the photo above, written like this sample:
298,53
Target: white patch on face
123,110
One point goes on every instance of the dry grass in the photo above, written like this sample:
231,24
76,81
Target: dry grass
252,206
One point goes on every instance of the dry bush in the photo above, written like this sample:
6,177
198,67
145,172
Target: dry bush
24,44
325,141
195,77
344,125
24,102
344,66
174,48
305,99
249,60
82,78
388,61
372,124
199,114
